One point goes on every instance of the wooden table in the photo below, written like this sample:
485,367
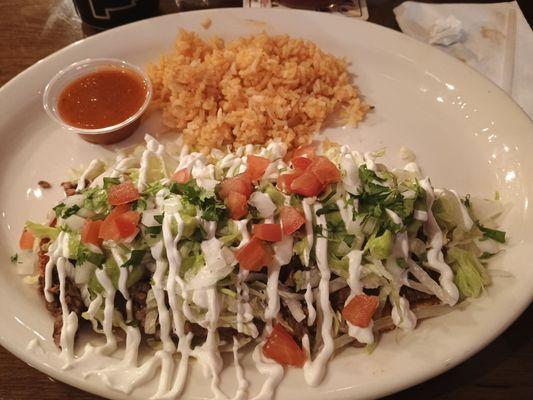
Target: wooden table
32,30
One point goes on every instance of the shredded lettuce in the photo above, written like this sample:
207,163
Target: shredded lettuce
447,211
338,265
229,234
192,259
300,248
73,245
42,231
275,195
96,200
470,275
380,247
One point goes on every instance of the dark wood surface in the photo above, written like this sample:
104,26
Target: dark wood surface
31,30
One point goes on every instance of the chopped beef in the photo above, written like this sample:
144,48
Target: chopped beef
417,298
69,188
138,293
338,298
44,184
298,329
72,293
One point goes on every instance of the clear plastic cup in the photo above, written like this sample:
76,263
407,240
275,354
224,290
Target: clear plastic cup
105,135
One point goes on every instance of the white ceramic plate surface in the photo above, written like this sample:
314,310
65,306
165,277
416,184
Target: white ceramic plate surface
467,133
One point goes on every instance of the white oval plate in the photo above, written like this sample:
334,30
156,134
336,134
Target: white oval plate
467,133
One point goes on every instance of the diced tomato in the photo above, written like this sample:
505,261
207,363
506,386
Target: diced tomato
127,223
268,232
325,171
285,181
122,193
256,166
291,219
360,309
26,240
307,185
253,255
307,150
237,205
90,232
282,348
301,163
120,209
109,229
182,176
241,184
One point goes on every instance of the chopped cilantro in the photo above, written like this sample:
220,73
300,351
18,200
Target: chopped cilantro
375,197
139,205
401,263
110,182
153,230
212,208
14,258
486,255
466,201
62,211
59,209
71,211
153,188
86,255
328,208
493,234
135,258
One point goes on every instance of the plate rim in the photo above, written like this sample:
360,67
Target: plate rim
90,388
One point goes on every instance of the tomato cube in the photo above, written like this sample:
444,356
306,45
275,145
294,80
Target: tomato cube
256,166
241,184
90,232
122,193
291,219
325,171
267,232
285,181
253,255
360,309
26,240
281,347
237,204
182,176
301,163
307,185
111,230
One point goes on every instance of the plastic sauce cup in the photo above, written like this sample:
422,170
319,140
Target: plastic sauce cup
108,134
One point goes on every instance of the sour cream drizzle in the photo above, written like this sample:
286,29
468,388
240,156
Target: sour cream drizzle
314,370
95,167
156,150
308,213
169,288
308,296
434,254
70,319
244,309
401,314
362,335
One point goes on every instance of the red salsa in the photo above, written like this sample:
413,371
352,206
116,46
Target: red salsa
102,98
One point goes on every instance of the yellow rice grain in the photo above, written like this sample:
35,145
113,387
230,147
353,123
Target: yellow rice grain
252,89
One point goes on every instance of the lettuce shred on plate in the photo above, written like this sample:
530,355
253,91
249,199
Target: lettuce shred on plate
200,254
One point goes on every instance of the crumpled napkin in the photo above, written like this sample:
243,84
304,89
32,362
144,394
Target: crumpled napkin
495,39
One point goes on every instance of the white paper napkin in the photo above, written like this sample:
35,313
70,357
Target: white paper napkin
493,38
